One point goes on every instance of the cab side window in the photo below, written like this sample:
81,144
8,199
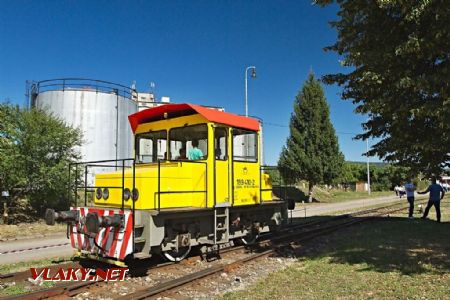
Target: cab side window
220,143
245,144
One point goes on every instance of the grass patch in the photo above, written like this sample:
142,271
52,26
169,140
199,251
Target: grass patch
323,195
29,229
18,288
12,290
22,266
387,258
335,196
48,284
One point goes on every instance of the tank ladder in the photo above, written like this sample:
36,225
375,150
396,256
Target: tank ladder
221,223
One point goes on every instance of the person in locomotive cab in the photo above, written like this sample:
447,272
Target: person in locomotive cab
218,153
182,155
195,153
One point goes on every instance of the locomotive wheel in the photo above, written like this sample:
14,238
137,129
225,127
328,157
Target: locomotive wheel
176,256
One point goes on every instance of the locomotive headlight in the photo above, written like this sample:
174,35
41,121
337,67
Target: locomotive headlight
98,193
105,193
135,194
126,194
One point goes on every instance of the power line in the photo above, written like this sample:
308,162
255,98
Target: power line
285,126
339,132
274,124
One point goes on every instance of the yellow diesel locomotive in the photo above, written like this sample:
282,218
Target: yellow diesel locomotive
196,181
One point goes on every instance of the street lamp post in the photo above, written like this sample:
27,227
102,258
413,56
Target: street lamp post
253,68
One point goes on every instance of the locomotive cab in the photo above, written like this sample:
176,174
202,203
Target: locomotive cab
195,180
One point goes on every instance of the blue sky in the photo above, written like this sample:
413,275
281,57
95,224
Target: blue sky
195,51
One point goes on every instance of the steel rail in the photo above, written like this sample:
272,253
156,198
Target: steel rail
56,291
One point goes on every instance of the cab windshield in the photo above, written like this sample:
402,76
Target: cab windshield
151,146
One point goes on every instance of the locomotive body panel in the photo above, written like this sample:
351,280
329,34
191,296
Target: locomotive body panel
181,184
246,184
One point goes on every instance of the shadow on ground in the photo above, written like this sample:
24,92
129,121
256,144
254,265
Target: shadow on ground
385,245
291,193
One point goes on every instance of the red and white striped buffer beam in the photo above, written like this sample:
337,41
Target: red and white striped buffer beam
114,241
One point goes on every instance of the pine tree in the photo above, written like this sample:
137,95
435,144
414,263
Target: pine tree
312,150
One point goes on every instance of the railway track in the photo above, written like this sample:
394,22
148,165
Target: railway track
267,245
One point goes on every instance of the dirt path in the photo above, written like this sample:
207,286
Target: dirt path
315,209
34,249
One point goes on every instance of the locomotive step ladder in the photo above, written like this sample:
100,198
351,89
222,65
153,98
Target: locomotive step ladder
221,223
139,243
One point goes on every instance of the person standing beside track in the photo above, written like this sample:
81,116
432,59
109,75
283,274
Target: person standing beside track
436,195
410,188
396,189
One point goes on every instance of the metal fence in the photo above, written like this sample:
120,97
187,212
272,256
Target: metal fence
80,84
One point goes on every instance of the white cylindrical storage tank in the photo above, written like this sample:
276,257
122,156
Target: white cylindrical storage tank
99,108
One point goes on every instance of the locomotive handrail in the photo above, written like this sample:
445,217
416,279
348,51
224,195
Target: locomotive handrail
280,186
86,186
103,186
120,163
106,166
100,161
134,202
97,163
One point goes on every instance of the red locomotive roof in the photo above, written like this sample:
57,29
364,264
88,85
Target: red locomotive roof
184,109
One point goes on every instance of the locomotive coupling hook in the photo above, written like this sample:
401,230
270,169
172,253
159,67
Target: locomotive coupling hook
65,216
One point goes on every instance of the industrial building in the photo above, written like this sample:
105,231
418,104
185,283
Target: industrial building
99,108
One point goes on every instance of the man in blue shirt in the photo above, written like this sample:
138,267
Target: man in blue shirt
195,153
436,194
